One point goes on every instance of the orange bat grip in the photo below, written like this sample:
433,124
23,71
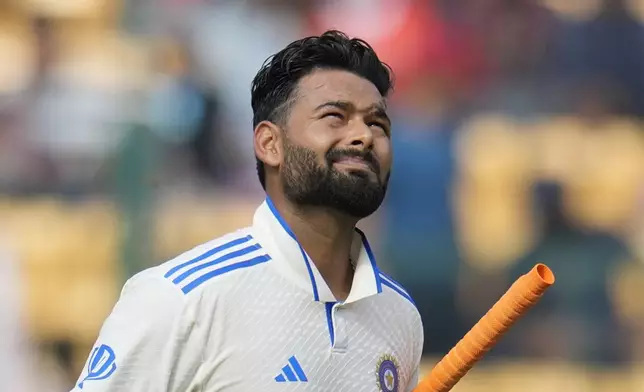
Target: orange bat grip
520,297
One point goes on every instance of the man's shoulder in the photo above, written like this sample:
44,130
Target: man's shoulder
397,294
210,262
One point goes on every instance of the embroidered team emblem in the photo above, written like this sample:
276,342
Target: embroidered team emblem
387,374
101,364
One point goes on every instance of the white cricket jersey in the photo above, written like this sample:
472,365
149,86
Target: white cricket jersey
249,312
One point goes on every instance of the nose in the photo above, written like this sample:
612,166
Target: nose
361,136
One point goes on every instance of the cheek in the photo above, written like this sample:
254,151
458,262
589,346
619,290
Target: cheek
305,152
382,149
320,141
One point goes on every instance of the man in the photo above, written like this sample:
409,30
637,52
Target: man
296,301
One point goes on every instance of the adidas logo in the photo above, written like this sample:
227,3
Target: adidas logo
292,372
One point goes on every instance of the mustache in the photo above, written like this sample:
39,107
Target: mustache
338,154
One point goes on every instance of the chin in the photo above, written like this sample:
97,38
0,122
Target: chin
359,204
362,173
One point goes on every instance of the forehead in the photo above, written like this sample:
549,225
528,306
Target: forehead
336,85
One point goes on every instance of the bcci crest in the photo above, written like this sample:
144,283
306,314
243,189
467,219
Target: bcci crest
387,374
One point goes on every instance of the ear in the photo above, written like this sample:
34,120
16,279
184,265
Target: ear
267,145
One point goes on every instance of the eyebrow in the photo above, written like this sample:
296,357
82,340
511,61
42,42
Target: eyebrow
378,109
344,105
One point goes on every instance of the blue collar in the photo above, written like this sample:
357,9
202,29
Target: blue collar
289,256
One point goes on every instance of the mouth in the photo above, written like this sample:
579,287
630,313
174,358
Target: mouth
355,163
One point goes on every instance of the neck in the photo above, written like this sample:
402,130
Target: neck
326,236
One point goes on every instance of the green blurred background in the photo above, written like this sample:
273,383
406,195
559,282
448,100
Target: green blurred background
125,139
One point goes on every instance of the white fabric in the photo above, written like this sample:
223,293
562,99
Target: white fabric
236,318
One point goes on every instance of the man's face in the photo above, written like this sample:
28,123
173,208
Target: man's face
337,150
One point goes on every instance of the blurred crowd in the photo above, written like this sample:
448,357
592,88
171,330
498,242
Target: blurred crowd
518,138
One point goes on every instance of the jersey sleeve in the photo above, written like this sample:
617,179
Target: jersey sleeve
413,381
142,345
419,340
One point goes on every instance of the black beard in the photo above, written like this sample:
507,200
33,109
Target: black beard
306,183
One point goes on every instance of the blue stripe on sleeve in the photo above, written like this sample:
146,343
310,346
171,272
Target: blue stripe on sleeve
397,289
209,253
229,256
232,267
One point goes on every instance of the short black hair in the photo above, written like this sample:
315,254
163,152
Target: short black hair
273,86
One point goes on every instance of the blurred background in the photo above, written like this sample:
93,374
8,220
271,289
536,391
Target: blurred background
125,139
